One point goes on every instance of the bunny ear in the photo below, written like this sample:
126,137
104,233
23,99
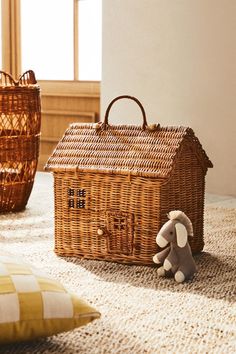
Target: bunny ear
181,234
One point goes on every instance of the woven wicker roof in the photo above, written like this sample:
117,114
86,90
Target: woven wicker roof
123,150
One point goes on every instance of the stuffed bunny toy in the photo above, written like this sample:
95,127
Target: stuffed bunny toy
177,257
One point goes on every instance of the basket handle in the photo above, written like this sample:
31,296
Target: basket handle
105,123
28,78
6,79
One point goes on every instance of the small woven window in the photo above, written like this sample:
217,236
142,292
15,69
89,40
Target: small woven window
71,203
71,192
119,223
77,198
81,193
81,204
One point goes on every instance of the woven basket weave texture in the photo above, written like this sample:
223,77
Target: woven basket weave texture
115,184
20,119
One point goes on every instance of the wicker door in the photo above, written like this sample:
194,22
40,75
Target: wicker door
120,227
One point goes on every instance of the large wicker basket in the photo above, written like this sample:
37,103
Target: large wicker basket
20,118
115,184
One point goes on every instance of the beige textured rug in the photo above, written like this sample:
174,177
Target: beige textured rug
140,312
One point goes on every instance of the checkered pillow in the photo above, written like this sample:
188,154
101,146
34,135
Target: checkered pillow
34,305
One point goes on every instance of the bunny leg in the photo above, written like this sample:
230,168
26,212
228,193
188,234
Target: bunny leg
186,270
179,276
160,256
183,273
171,261
161,272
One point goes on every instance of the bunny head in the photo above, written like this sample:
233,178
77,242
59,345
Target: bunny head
176,229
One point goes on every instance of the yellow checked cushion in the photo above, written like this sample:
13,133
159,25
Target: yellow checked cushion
33,305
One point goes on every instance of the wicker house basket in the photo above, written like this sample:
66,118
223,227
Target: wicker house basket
20,118
115,184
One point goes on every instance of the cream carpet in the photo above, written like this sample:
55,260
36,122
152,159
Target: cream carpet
140,312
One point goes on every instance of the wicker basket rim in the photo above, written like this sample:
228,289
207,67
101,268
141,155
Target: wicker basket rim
27,79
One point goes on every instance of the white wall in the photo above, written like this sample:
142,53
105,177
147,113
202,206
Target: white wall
179,58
